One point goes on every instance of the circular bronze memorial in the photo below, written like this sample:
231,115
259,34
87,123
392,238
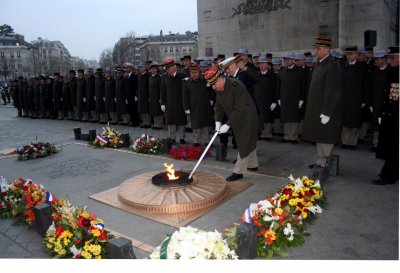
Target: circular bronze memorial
162,180
204,190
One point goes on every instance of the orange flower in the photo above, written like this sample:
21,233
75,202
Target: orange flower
270,237
93,216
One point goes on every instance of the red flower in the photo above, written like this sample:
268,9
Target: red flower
103,236
83,222
59,230
77,242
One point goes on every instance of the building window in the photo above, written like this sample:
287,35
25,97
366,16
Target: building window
207,13
209,51
18,54
2,54
209,40
19,65
190,49
165,49
12,54
184,49
176,49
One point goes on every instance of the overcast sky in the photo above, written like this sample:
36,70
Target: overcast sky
86,27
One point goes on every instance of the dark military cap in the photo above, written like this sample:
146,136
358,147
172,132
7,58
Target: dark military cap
168,63
194,66
36,78
393,50
90,69
250,56
149,62
81,71
307,54
235,54
351,49
221,56
323,40
268,55
20,77
41,77
187,57
72,72
56,74
369,49
99,70
154,65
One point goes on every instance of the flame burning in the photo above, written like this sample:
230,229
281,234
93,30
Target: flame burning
170,171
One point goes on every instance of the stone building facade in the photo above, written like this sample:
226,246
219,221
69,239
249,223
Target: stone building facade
291,25
15,57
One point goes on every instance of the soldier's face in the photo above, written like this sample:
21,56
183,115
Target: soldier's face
194,74
277,67
219,85
321,51
230,70
394,60
263,66
288,62
142,70
171,70
154,70
380,61
351,56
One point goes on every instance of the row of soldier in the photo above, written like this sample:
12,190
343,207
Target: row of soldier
144,93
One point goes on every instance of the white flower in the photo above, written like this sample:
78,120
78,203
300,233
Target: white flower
288,231
315,209
316,184
298,183
269,218
265,205
75,251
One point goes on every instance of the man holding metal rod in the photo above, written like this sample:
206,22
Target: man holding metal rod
233,100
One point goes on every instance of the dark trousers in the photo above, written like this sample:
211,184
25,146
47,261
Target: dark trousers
390,170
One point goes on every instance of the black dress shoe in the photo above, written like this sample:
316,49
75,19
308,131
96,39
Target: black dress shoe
294,141
313,166
351,147
382,182
361,141
188,130
182,141
234,177
253,169
343,146
268,139
234,161
260,138
373,150
283,140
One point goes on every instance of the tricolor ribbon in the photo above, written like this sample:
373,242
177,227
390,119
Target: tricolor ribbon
99,226
49,197
101,139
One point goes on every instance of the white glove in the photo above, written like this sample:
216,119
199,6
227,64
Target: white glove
324,119
217,126
379,121
135,98
94,98
300,103
371,109
115,99
279,102
163,108
224,128
273,106
211,102
362,105
84,99
52,100
104,99
187,112
60,99
126,101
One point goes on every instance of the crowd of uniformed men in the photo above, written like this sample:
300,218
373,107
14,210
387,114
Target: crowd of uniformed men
178,95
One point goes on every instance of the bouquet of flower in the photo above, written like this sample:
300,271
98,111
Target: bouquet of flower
187,153
193,243
34,150
280,219
20,197
108,138
147,144
76,233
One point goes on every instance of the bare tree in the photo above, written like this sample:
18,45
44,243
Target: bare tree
124,49
106,58
6,67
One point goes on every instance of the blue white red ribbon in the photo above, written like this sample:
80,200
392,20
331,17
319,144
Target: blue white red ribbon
49,197
99,226
101,139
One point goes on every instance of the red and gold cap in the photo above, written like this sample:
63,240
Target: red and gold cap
168,63
212,75
194,66
322,40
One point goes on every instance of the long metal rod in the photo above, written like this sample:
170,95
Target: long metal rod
204,153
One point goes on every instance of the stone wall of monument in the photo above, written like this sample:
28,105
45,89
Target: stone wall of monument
290,25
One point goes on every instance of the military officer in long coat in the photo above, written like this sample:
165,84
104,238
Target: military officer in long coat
376,89
49,98
36,96
233,100
290,89
43,87
143,96
58,96
171,101
197,101
323,117
130,85
73,95
354,97
388,143
120,103
154,97
66,102
265,96
81,104
99,96
90,96
109,94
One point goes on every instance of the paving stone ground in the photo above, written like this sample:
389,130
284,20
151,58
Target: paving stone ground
361,221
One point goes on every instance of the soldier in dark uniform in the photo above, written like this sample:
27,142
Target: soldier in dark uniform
277,126
186,61
130,94
66,100
81,104
323,117
354,97
99,96
154,97
376,89
90,96
36,97
58,96
14,95
233,100
22,96
265,96
29,98
109,94
73,94
197,101
290,90
388,143
143,96
49,106
120,96
171,101
43,87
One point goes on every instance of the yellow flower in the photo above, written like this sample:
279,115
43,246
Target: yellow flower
304,214
86,255
95,232
278,211
49,246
